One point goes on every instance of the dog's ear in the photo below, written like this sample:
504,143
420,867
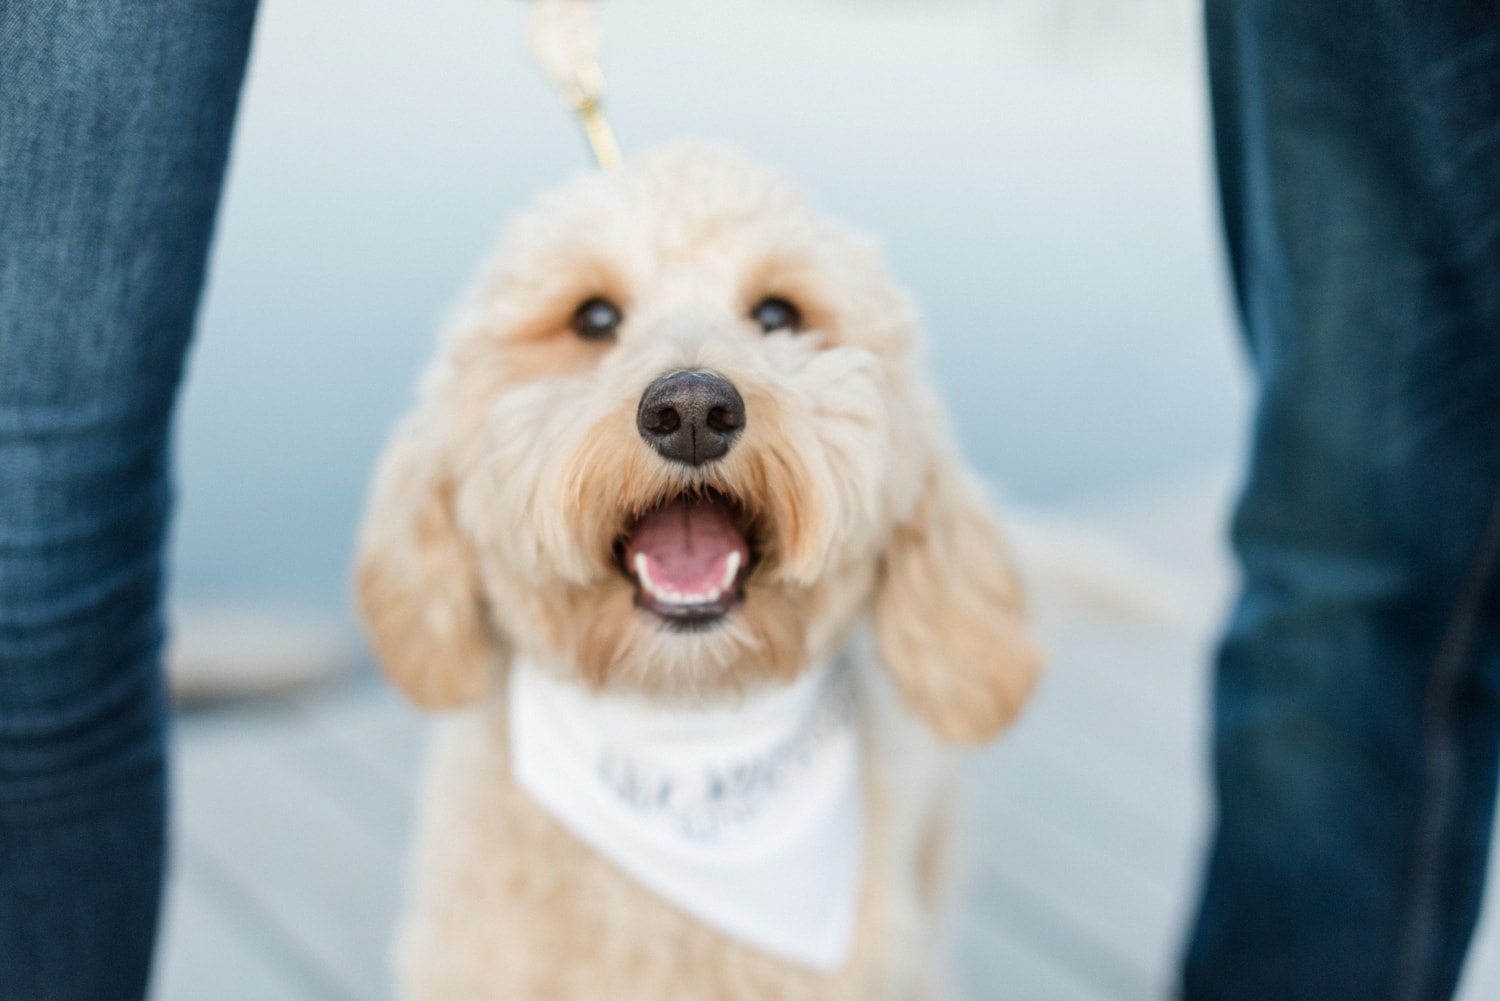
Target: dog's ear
416,584
949,615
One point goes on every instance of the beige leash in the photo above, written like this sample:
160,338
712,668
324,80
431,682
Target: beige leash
563,36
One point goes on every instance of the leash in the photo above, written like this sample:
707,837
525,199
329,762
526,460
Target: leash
563,36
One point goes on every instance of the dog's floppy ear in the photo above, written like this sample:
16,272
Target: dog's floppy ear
415,581
949,614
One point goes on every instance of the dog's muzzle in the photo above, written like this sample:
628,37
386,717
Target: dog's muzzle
691,417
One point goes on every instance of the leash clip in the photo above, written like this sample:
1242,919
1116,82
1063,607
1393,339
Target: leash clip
563,36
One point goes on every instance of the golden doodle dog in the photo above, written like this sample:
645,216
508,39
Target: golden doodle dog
678,529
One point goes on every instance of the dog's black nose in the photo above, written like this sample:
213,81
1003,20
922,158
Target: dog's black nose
690,417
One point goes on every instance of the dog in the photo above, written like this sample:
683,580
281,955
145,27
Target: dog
677,477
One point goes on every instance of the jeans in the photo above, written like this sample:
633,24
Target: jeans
1357,700
115,118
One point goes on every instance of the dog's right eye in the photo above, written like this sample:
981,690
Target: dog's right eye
597,319
775,314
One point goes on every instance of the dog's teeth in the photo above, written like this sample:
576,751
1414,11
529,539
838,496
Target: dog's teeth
669,596
731,570
643,574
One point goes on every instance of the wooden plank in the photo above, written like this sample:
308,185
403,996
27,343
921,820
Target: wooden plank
207,951
1106,903
366,749
257,803
1109,758
374,724
1038,927
1020,777
1093,807
1143,688
989,963
1170,792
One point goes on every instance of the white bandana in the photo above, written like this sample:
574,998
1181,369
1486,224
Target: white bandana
748,818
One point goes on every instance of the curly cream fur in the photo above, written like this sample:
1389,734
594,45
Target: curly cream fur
492,526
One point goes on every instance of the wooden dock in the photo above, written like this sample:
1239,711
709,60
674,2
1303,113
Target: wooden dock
1086,821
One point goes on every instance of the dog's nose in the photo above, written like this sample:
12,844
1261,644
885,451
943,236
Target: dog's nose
690,417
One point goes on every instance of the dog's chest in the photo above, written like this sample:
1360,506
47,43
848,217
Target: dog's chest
749,818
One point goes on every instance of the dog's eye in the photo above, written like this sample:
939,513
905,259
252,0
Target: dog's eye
597,319
774,313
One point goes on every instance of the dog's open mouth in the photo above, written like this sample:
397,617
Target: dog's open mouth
687,558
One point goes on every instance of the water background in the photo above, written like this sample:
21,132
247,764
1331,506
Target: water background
1039,173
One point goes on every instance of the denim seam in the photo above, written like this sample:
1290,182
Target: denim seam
1440,753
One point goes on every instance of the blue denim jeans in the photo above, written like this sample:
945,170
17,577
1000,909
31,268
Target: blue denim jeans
115,118
1357,705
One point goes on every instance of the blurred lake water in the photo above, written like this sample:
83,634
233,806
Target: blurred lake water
1040,175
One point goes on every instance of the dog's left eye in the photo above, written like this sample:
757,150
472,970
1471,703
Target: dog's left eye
597,319
774,313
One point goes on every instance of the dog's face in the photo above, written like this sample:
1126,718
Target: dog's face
677,442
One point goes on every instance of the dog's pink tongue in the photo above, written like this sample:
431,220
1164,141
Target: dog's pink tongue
690,547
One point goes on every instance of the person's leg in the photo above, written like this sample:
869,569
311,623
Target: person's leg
1357,708
114,127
